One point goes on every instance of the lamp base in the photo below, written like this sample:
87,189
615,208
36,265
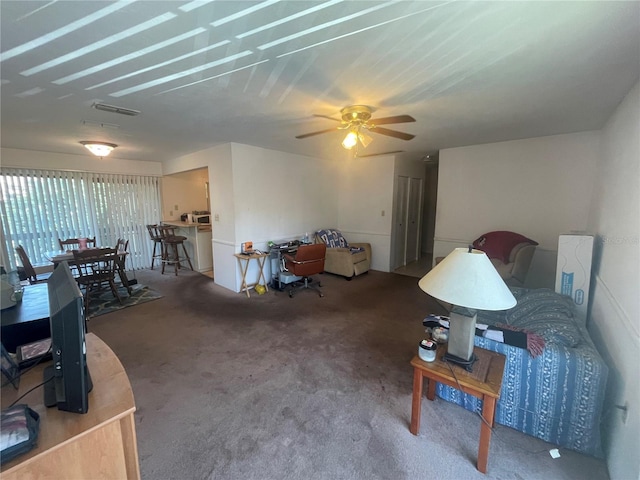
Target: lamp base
466,364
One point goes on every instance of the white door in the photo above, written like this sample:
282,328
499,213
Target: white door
400,222
414,215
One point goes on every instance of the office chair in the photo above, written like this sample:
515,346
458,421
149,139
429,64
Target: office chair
308,260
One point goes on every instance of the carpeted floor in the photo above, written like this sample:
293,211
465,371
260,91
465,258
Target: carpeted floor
274,387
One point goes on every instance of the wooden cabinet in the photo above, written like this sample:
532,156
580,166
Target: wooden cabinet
100,444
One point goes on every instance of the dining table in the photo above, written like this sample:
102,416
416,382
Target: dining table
59,256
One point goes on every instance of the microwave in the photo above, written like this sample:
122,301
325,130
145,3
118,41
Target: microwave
200,218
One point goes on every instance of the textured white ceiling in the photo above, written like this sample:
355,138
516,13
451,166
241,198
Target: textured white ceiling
210,72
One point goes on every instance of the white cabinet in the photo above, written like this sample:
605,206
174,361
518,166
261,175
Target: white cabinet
197,243
205,249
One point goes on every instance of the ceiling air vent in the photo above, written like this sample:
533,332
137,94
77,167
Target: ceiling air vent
113,109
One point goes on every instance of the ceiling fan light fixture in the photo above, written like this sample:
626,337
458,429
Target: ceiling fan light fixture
99,149
350,140
365,139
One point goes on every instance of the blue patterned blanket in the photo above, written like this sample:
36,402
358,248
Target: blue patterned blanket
557,395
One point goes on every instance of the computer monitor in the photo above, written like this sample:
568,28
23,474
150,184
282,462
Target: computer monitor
67,380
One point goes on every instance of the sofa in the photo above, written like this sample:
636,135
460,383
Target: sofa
555,391
343,258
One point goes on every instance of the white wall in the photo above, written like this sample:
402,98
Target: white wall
280,196
615,301
183,193
218,161
260,195
365,190
538,187
12,157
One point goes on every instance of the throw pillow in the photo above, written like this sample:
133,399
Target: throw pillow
332,238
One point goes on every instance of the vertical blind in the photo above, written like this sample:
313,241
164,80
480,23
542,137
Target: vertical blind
40,206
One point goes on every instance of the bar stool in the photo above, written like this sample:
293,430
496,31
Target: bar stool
157,241
170,251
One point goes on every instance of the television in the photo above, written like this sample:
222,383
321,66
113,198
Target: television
67,380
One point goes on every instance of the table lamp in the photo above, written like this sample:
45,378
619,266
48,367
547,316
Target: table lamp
467,279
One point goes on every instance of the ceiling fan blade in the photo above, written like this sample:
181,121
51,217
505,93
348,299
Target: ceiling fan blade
305,135
396,119
379,154
392,133
327,116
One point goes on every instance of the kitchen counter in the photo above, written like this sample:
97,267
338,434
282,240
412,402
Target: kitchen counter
181,224
198,242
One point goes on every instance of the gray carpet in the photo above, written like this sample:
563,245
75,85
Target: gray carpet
305,388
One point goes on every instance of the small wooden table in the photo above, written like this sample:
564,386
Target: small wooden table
487,390
244,260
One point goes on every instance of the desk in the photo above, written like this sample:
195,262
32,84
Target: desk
279,275
98,444
487,390
244,261
28,320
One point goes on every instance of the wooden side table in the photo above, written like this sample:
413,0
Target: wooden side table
484,384
244,261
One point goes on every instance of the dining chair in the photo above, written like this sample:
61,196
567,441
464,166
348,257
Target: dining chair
96,268
122,247
29,272
74,243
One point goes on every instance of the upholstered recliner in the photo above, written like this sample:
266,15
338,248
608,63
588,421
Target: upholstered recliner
510,253
343,258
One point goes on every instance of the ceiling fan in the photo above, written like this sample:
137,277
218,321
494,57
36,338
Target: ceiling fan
357,120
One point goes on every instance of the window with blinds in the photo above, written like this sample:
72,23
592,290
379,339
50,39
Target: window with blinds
40,206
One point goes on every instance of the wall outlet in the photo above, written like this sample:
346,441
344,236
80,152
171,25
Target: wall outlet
625,411
171,213
216,217
175,207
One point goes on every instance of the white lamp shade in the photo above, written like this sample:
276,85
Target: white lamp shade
468,279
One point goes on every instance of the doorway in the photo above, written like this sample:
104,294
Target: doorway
419,264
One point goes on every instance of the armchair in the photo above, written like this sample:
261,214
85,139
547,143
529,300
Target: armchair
510,253
343,258
308,260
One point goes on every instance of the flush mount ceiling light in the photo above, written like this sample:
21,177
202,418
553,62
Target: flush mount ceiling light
99,149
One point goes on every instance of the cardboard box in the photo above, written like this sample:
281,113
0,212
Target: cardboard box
573,270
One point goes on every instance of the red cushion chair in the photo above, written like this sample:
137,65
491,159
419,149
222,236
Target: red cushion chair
510,252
